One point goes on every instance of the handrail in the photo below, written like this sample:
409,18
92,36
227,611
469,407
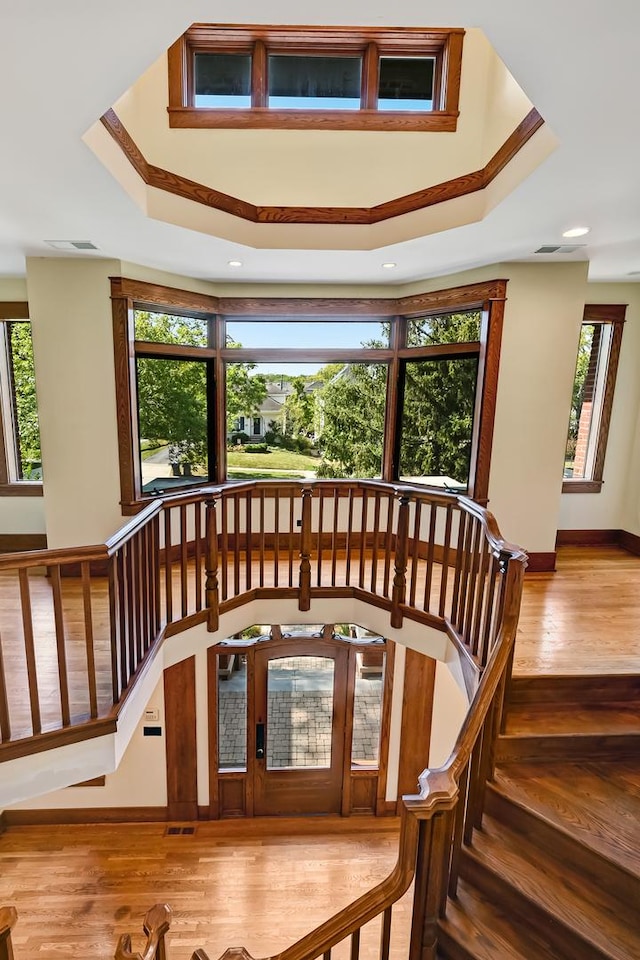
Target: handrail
426,554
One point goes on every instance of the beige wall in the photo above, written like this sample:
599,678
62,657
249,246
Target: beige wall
617,506
73,348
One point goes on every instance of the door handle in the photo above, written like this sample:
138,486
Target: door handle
259,741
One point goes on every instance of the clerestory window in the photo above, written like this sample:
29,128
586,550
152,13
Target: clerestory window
20,457
592,397
296,389
328,78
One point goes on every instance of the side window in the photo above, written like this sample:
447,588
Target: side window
592,397
20,457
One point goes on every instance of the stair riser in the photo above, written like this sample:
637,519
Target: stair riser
450,949
565,941
579,690
570,748
566,849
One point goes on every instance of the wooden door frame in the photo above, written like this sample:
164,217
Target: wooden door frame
231,793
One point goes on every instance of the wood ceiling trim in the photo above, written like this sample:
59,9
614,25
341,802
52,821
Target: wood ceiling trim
460,186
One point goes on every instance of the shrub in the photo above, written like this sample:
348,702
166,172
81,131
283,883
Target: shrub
256,448
331,471
239,438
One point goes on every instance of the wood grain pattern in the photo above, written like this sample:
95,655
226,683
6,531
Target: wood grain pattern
417,712
178,185
180,732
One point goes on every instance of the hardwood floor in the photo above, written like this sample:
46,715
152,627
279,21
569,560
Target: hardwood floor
260,884
583,619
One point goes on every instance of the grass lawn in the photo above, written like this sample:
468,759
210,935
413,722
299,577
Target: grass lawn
257,475
276,459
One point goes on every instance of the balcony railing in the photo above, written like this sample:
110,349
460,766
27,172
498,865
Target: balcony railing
430,557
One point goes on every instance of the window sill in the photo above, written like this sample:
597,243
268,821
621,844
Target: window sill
25,488
582,486
438,121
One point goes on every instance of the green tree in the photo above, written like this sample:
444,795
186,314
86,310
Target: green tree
172,393
437,408
352,417
299,410
26,405
585,346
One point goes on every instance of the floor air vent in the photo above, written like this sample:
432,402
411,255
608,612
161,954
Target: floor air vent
180,831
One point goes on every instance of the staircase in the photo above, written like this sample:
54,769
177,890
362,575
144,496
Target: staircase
554,873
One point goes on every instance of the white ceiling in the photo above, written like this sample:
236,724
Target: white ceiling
63,64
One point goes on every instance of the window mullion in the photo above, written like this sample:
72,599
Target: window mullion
259,75
369,90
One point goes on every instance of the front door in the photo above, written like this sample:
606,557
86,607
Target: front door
300,719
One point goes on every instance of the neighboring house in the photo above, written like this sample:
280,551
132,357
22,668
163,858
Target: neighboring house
272,409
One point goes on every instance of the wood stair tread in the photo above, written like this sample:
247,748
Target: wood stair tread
475,927
597,803
544,887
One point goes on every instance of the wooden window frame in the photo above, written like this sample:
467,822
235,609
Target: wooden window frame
14,310
612,315
128,295
445,45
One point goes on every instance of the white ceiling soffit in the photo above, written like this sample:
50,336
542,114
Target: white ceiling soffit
66,63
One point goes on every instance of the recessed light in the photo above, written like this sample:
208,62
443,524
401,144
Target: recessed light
389,265
234,263
576,232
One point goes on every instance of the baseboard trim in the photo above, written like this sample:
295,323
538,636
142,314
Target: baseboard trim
587,538
16,542
541,562
629,542
21,818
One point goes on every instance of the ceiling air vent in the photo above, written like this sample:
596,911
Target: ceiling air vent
560,248
71,244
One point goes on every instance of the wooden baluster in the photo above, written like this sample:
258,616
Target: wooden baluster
122,617
475,624
113,628
291,531
184,562
248,533
145,588
470,583
135,545
197,533
433,513
400,576
354,953
460,555
58,616
319,542
212,598
376,537
236,545
225,548
30,652
363,537
155,556
475,788
8,920
446,547
262,540
326,955
385,935
349,540
88,638
415,553
458,832
131,608
276,540
334,535
5,721
488,610
304,600
168,583
387,546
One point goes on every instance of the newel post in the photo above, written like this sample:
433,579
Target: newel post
399,592
8,918
304,601
211,586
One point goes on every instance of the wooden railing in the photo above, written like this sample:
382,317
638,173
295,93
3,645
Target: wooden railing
434,558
